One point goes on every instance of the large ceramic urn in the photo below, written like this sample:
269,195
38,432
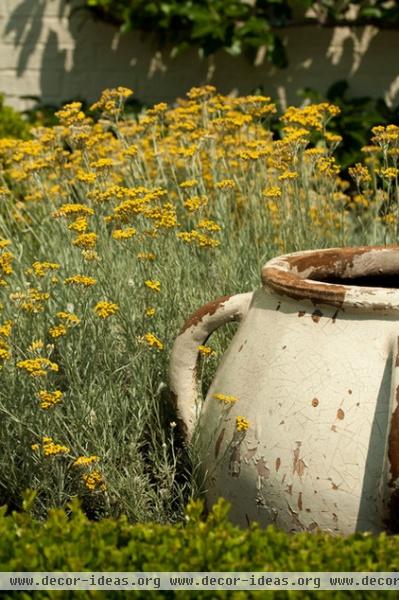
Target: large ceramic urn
300,427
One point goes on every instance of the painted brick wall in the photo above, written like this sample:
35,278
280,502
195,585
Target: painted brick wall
47,54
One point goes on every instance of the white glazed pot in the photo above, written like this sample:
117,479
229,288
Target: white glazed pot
314,366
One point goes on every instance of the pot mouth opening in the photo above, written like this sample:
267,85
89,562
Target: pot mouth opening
365,277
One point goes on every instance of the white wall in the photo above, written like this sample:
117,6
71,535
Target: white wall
45,53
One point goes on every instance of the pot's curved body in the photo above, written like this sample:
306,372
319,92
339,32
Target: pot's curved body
300,427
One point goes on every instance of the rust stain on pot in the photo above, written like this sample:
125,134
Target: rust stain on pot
295,518
340,414
235,462
315,402
333,428
250,453
317,275
292,286
289,489
301,313
334,486
316,315
300,500
242,346
298,464
332,262
278,306
262,469
349,391
219,442
278,463
312,525
335,518
208,309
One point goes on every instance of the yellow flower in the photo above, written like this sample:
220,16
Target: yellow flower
93,481
70,318
85,176
37,367
241,424
225,184
153,341
36,345
146,256
105,309
4,352
6,259
389,173
226,399
288,175
82,461
123,234
74,210
5,329
207,351
102,163
359,173
272,192
52,449
49,399
153,285
208,225
58,331
86,240
189,183
41,268
195,203
80,225
80,280
90,255
150,312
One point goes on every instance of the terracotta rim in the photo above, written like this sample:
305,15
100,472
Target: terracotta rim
304,276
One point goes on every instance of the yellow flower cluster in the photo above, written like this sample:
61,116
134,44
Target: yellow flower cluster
41,268
123,234
153,285
31,301
207,351
49,399
242,424
225,398
153,341
50,448
83,461
105,309
94,481
37,367
81,280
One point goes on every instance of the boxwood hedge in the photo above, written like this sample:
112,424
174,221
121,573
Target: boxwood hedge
71,542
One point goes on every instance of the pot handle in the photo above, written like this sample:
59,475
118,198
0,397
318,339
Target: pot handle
184,356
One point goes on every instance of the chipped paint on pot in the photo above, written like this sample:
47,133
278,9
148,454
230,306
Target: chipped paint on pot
314,366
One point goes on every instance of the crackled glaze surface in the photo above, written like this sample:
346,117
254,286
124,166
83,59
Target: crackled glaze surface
314,366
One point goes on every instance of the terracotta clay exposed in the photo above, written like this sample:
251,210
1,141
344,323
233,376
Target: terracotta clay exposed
314,371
